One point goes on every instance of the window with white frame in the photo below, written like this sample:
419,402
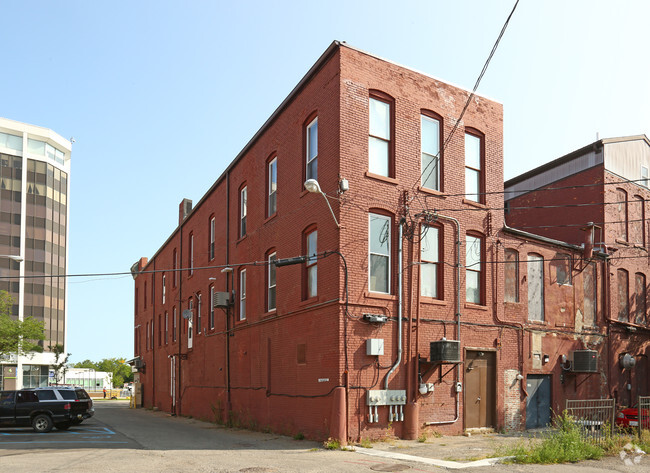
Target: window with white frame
163,288
212,233
190,324
312,150
473,268
430,262
242,294
311,265
270,278
272,187
175,263
166,327
198,313
243,210
174,324
473,168
211,320
379,253
379,137
644,176
430,148
191,254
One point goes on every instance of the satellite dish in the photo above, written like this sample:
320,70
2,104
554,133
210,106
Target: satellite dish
187,314
627,361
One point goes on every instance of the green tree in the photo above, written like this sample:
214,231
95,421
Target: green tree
18,336
60,361
85,364
121,371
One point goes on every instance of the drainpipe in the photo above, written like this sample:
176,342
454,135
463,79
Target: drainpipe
399,306
228,396
153,335
458,316
179,322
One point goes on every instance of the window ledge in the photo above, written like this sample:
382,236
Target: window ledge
426,190
241,239
269,313
269,218
537,322
432,301
622,242
311,300
388,180
380,295
240,322
471,305
473,203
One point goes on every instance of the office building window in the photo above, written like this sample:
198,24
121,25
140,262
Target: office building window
270,283
379,140
379,246
311,133
430,283
474,167
243,211
242,294
272,204
430,150
474,269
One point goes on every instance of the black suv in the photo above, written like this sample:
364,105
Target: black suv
44,408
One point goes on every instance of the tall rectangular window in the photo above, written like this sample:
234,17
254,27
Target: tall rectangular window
473,168
380,137
243,210
212,233
640,298
589,295
270,290
242,294
174,324
430,148
272,187
623,291
190,324
312,150
211,320
175,263
198,313
644,176
473,269
163,289
311,265
379,236
191,254
562,265
511,276
535,287
166,327
145,295
621,196
430,259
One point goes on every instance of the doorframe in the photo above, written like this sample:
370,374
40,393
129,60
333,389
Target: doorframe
496,382
552,397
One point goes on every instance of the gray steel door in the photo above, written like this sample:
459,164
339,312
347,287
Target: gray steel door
538,402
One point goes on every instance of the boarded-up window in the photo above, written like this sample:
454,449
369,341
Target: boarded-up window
640,297
562,266
535,287
637,220
511,276
589,293
623,303
621,205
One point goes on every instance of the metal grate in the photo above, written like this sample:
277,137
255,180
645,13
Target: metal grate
644,413
595,417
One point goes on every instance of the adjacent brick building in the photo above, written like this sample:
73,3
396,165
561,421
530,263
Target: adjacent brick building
336,338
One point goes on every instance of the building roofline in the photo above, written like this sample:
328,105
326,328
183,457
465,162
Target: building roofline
572,155
550,241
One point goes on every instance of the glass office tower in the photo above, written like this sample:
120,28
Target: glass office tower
34,187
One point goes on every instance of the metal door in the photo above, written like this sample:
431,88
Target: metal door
538,402
480,389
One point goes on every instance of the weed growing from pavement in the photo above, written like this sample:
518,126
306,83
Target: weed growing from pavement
332,444
365,443
299,436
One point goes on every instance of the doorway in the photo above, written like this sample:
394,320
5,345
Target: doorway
538,402
480,389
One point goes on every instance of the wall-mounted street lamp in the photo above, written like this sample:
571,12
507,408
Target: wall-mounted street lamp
312,186
13,257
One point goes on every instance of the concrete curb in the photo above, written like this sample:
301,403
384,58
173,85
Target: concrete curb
430,461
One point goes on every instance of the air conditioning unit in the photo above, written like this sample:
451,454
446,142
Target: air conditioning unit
445,351
221,300
584,361
138,363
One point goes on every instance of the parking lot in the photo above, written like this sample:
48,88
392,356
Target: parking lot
119,438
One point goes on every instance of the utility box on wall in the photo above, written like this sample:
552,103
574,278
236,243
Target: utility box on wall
375,346
584,361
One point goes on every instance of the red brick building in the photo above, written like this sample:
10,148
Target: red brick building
386,310
605,184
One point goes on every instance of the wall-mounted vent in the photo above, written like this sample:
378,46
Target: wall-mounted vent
221,300
584,361
446,351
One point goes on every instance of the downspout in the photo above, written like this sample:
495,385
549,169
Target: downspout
228,398
153,334
179,319
399,306
458,316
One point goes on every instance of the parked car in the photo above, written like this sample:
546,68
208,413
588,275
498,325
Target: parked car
629,418
67,393
25,407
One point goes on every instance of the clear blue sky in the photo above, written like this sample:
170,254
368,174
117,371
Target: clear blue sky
160,97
